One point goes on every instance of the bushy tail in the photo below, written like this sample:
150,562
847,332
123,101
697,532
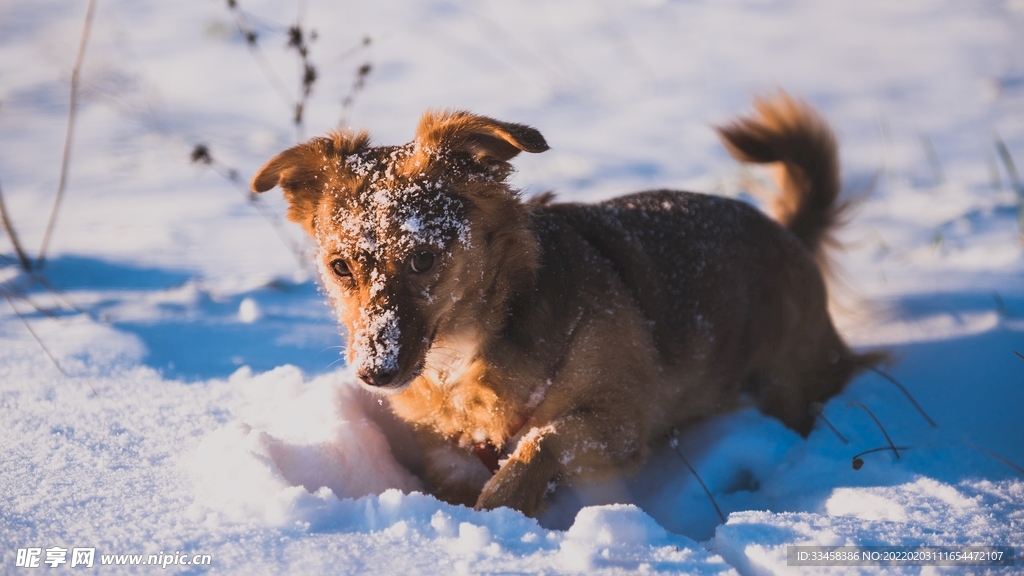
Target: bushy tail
789,132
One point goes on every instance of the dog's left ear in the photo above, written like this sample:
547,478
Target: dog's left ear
304,171
485,139
297,171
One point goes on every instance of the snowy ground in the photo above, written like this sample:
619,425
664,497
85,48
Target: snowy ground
201,407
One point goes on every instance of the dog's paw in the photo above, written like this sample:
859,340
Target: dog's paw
514,486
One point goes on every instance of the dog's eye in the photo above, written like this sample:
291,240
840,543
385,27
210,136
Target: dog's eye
421,262
340,268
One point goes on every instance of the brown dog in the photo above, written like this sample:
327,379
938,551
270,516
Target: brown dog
529,343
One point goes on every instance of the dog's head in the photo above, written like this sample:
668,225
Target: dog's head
412,241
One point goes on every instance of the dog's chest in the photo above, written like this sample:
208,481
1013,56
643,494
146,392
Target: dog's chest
459,396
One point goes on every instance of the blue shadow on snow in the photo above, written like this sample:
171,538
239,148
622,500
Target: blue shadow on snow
201,335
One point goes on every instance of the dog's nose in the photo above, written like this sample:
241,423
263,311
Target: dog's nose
377,378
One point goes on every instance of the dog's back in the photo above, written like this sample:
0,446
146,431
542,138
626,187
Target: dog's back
733,300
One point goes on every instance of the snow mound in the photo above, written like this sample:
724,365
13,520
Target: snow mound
922,512
293,452
622,535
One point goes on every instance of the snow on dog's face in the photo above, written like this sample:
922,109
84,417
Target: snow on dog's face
410,239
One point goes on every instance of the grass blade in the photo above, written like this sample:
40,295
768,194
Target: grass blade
9,228
1011,170
66,157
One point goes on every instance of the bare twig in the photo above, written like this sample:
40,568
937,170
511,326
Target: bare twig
933,159
1000,305
906,393
50,288
366,41
246,29
201,155
66,158
299,40
892,446
674,442
883,127
9,228
818,411
11,290
997,457
357,86
858,463
1015,181
993,171
1011,168
40,342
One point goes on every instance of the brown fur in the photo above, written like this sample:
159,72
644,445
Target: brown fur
568,337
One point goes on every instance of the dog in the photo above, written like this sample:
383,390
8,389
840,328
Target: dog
531,344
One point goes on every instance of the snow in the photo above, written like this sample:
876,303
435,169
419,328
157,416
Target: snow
301,446
198,403
375,344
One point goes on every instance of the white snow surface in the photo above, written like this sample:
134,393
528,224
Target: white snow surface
196,402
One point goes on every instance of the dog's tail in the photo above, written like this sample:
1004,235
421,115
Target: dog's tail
790,133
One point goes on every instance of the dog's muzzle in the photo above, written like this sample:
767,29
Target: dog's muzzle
377,379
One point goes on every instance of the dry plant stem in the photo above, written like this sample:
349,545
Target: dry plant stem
997,457
273,219
9,228
1000,305
51,289
993,170
307,75
57,293
1011,168
40,342
357,86
1015,181
366,41
674,434
201,155
272,77
275,222
858,462
10,290
818,411
66,158
242,23
906,392
933,159
892,446
834,430
307,72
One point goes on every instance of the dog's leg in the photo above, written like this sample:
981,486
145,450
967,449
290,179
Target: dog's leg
587,444
597,416
456,475
526,478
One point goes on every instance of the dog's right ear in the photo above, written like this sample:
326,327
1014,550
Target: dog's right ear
484,139
305,171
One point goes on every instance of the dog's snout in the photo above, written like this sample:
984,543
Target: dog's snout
381,378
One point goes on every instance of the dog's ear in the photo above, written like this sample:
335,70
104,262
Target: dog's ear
485,139
299,172
304,172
